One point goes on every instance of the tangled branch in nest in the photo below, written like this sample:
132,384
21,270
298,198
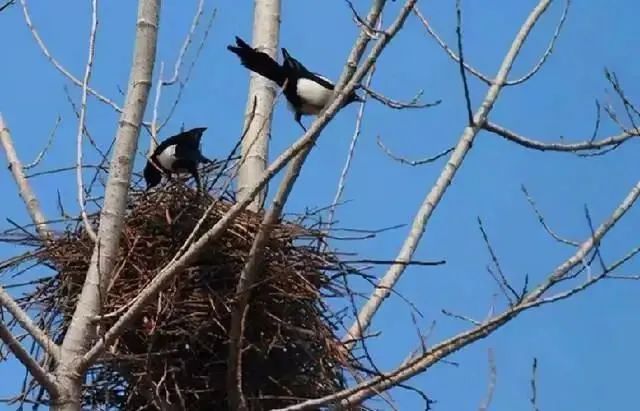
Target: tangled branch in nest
177,350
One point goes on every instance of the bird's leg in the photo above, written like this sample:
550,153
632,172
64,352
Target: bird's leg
298,118
194,172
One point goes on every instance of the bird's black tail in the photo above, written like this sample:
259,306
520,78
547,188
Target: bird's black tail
258,61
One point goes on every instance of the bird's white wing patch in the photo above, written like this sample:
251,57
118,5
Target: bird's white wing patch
167,157
313,95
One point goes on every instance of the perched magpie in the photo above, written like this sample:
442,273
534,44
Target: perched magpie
306,92
176,154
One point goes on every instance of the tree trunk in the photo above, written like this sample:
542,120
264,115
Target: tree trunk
262,93
81,332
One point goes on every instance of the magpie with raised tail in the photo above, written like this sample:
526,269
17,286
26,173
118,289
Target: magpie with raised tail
179,153
307,93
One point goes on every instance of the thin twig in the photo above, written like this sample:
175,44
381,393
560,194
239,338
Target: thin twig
153,142
7,4
352,148
40,155
491,387
404,160
57,64
548,51
542,221
463,72
447,49
185,45
534,389
500,278
398,105
83,111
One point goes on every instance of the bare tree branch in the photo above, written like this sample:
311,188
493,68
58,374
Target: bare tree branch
83,111
57,64
27,195
493,372
351,151
398,105
534,389
28,325
549,49
7,4
357,394
42,153
587,145
40,374
448,50
444,180
463,72
406,161
185,45
543,222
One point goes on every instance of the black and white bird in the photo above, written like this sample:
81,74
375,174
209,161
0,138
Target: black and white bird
307,93
179,153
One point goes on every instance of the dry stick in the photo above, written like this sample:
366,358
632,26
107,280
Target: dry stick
83,112
55,62
40,374
167,273
27,195
586,145
444,180
28,325
105,252
360,393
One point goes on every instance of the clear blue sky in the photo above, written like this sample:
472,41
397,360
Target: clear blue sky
587,346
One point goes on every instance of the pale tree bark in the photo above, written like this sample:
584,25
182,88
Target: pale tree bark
259,111
82,330
27,195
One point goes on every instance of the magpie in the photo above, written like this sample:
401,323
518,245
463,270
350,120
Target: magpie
307,93
179,153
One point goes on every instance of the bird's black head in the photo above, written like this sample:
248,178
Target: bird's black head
198,130
152,175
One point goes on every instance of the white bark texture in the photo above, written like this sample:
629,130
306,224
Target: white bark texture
27,195
81,332
255,145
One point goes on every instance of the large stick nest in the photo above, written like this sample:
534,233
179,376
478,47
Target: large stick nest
177,350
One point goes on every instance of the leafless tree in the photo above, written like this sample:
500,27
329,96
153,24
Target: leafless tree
83,345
